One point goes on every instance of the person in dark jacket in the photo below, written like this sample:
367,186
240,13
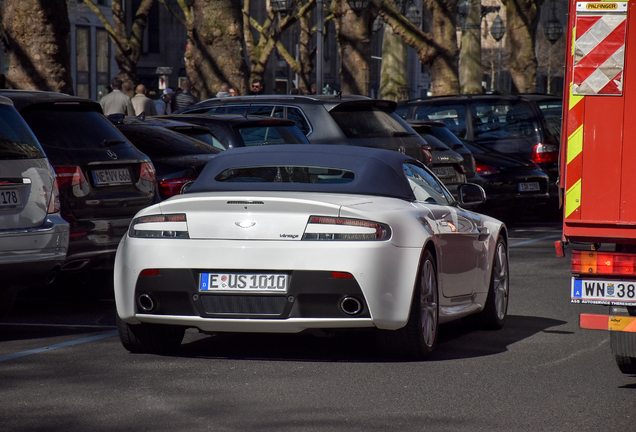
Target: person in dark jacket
185,97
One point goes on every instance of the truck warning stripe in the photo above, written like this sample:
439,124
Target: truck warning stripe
574,156
599,54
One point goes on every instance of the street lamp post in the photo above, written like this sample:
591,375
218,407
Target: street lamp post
553,31
497,31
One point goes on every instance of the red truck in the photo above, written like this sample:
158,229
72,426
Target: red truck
598,168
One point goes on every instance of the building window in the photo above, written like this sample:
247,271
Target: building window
83,39
102,48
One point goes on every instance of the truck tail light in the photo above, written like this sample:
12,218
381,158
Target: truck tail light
545,153
160,226
485,170
603,263
343,229
172,187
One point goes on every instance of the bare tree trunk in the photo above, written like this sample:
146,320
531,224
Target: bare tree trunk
470,52
393,79
215,46
128,44
35,34
354,44
522,19
437,48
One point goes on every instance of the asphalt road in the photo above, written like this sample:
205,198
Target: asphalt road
62,368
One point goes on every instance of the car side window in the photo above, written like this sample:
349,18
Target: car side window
425,186
453,116
296,115
262,110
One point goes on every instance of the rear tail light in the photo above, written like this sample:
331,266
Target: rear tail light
485,170
427,155
603,263
160,226
69,176
343,229
147,171
172,187
54,199
545,153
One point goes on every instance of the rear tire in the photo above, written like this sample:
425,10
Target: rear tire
418,338
150,338
493,317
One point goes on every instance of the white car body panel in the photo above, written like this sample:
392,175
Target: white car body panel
222,237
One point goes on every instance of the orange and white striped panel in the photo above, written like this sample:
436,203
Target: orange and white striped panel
599,48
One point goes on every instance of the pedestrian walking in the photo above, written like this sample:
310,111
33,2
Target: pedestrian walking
116,102
142,103
185,98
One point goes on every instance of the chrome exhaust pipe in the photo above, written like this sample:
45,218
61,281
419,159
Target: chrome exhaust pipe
146,303
351,305
48,280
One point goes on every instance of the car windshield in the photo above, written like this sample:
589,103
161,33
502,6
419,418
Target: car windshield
16,139
445,135
203,136
369,122
453,116
267,135
285,174
501,120
90,128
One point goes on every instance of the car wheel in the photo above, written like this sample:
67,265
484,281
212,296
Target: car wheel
493,316
150,338
417,339
624,343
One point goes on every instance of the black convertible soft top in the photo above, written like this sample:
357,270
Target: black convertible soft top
376,172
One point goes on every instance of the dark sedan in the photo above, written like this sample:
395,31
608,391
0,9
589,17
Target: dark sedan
178,158
514,188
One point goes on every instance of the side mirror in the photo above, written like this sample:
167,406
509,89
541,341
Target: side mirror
471,194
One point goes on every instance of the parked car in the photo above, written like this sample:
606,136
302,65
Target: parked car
346,237
525,126
515,188
232,130
33,235
103,180
178,159
344,120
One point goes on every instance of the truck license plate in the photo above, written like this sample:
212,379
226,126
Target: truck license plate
605,292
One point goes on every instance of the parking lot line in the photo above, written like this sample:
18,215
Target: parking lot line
61,345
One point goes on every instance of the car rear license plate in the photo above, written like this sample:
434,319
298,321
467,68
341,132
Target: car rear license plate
9,198
109,177
244,282
529,187
444,171
607,292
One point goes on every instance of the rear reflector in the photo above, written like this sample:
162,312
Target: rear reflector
341,275
608,322
485,170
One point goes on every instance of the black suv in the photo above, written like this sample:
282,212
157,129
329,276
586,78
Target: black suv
526,125
103,180
345,120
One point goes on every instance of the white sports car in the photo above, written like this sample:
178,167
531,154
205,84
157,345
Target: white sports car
324,237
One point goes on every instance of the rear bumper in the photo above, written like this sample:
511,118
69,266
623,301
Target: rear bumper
27,256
